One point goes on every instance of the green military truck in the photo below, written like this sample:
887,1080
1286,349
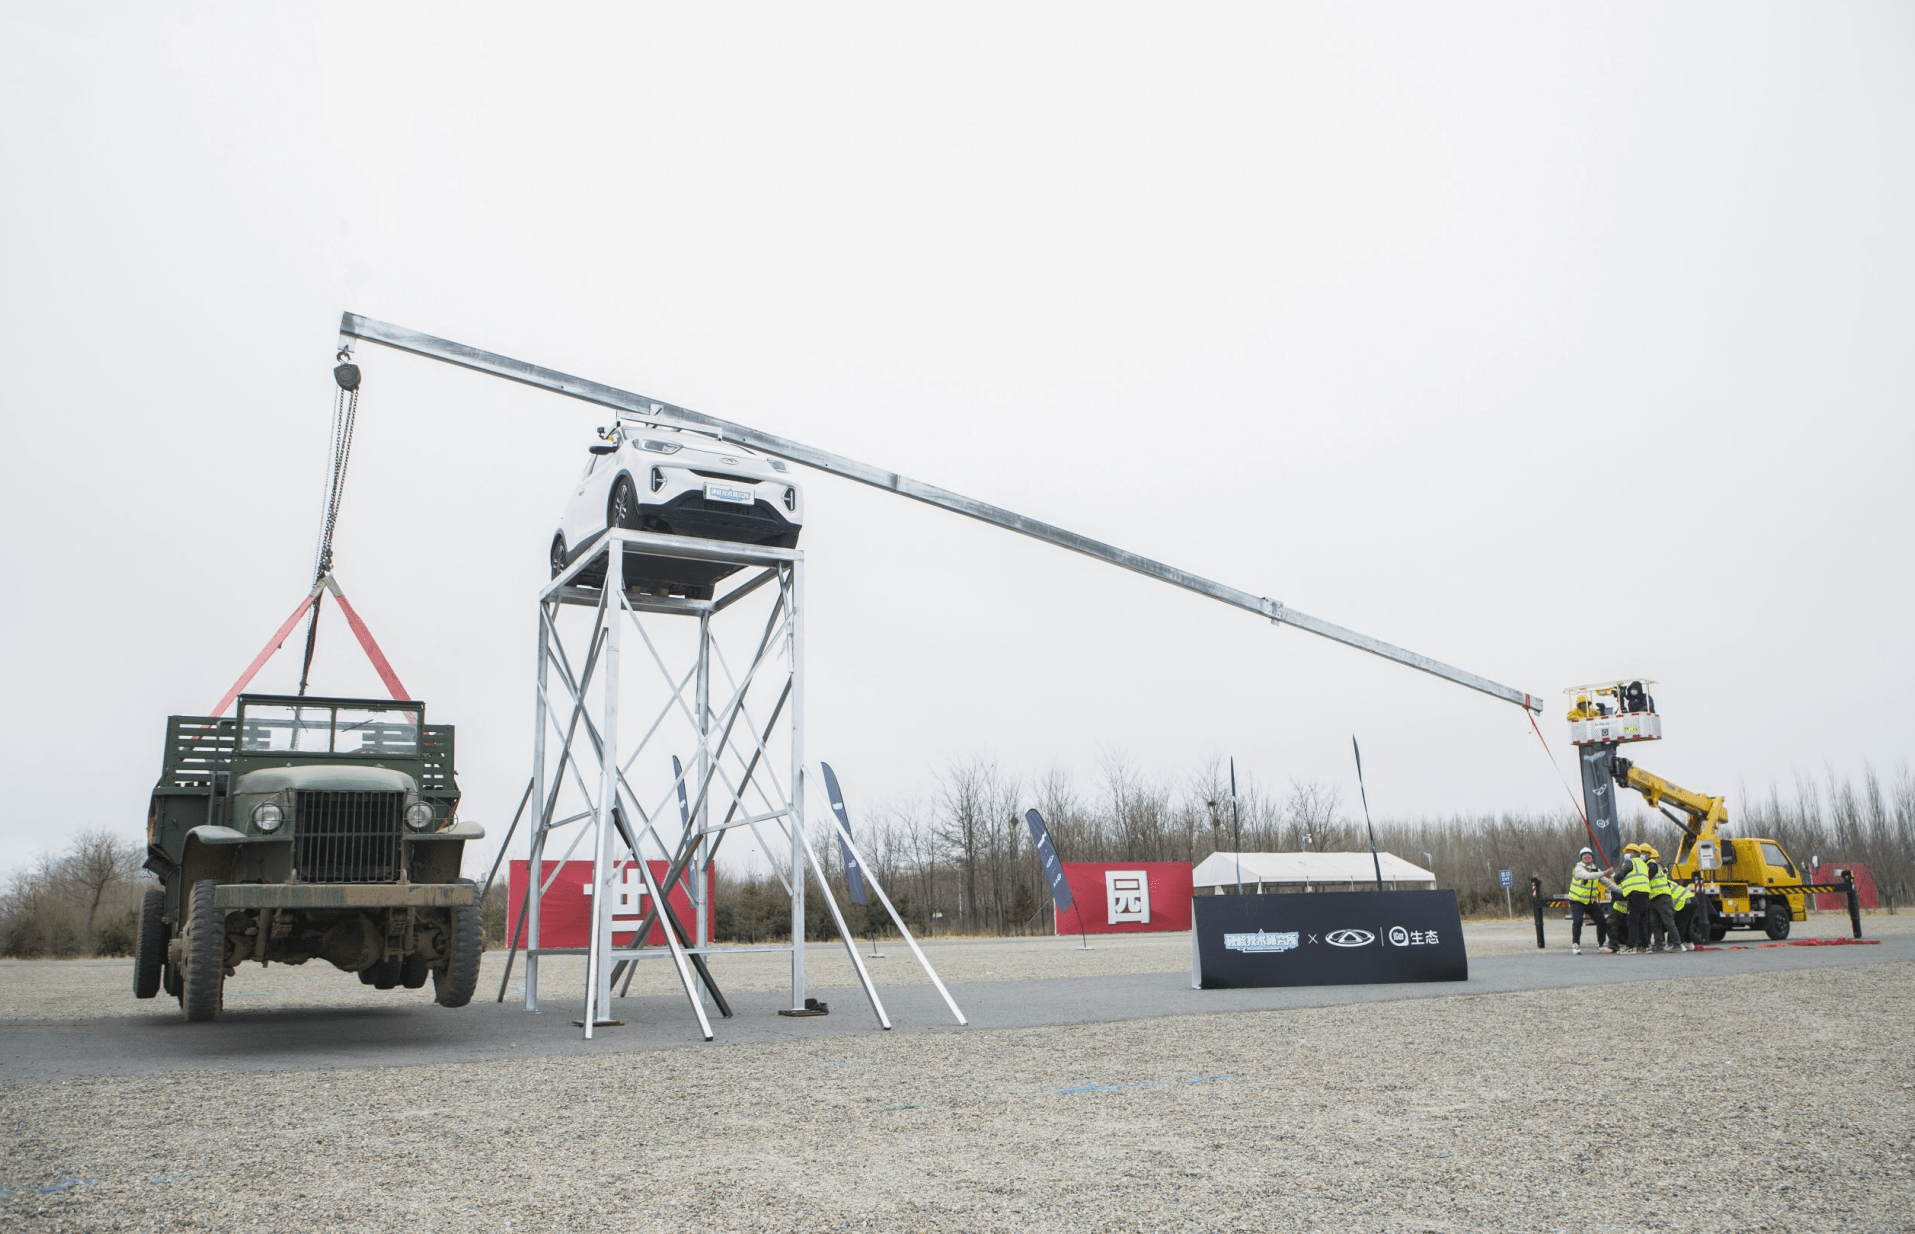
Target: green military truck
301,829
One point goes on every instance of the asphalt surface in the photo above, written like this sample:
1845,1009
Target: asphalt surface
159,1041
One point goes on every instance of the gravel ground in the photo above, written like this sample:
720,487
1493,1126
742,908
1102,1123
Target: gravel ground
1455,1113
75,989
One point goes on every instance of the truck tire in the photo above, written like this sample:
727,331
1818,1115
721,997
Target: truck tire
149,954
453,985
385,975
1775,919
203,984
413,971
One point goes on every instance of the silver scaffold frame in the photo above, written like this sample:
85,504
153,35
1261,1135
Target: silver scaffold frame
580,752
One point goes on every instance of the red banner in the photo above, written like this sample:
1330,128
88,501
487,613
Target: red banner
1838,901
565,914
1126,897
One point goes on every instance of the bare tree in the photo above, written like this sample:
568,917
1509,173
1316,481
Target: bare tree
965,793
1310,817
96,861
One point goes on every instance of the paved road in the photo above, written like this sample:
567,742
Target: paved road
34,1051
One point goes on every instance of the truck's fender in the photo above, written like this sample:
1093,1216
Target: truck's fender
458,831
208,833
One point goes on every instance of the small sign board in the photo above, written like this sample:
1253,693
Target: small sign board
1326,938
1505,878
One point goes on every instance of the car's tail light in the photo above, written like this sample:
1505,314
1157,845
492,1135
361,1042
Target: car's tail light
658,479
791,499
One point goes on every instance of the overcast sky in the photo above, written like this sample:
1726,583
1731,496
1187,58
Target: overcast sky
1556,342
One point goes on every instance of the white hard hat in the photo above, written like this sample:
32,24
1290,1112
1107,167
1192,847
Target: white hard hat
1587,852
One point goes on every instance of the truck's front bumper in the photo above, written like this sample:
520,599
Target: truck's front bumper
344,895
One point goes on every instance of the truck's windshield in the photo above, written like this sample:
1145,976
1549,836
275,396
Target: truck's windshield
271,728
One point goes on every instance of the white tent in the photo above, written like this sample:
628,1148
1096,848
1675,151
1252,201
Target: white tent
1263,872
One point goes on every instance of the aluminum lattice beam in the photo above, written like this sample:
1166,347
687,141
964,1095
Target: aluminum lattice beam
354,326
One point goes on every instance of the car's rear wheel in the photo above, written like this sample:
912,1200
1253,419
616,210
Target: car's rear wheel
149,954
558,555
203,984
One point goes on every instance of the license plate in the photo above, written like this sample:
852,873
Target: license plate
726,492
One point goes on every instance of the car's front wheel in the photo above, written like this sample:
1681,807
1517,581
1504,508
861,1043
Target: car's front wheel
558,555
622,509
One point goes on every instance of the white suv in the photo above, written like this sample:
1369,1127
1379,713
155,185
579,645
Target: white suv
650,479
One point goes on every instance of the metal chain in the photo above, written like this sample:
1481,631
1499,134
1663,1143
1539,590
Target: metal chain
345,412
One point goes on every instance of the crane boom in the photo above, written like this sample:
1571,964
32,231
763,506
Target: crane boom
1708,813
354,326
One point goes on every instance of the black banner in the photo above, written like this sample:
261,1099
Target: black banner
1327,938
1599,798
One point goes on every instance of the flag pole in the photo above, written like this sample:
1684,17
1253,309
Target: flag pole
1376,860
1236,827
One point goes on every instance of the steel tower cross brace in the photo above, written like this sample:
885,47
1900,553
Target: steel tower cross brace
354,326
731,717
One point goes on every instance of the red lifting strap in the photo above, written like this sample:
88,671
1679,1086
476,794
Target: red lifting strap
364,636
278,640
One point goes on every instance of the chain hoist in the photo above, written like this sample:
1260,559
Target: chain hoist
345,412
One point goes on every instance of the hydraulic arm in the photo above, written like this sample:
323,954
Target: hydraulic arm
1707,814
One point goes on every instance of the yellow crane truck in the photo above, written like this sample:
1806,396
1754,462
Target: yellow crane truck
1746,883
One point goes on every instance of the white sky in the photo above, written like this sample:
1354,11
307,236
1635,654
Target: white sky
1557,342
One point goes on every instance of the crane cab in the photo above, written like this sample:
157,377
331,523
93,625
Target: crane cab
1752,885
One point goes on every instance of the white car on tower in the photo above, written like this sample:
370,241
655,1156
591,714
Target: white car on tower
645,478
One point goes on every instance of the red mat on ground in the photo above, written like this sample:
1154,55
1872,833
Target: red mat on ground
1802,942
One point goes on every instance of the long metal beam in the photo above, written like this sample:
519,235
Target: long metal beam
353,326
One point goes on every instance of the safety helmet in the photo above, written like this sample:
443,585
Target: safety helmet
1649,851
1587,852
1632,848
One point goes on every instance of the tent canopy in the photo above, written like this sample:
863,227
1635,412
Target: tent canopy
1333,870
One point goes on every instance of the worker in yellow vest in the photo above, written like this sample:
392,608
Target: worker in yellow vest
1618,908
1586,896
1630,885
1662,912
1682,897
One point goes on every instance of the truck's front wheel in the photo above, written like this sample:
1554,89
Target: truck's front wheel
1775,919
149,954
453,985
203,984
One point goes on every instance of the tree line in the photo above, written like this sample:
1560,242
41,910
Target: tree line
959,859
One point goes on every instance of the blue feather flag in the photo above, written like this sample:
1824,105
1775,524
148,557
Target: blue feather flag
1047,858
853,874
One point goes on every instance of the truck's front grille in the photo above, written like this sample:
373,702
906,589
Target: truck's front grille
347,837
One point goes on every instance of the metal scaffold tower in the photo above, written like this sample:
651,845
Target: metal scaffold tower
606,766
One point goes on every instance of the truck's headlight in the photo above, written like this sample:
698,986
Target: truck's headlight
418,816
267,816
